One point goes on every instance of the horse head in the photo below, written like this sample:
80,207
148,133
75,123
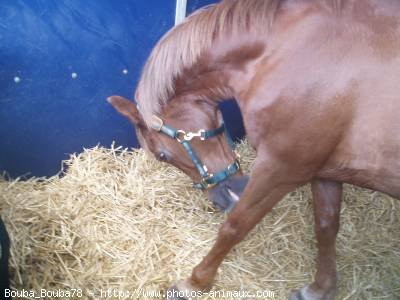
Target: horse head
191,136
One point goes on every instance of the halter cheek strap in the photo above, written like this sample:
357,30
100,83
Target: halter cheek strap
208,179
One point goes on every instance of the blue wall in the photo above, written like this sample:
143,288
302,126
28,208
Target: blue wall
45,113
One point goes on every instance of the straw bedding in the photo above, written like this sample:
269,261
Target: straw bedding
119,219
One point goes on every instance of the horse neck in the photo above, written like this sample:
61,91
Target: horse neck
220,72
204,81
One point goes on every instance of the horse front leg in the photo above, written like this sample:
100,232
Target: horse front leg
267,185
327,196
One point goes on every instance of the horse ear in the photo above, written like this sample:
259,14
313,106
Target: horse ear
126,108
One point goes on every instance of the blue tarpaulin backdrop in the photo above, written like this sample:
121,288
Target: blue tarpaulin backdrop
59,61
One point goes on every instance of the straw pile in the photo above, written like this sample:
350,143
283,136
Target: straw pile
119,219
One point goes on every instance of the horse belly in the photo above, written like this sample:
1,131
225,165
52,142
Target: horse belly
368,155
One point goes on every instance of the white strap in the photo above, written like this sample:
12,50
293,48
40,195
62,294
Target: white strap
180,12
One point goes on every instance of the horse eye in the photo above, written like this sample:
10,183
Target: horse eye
162,156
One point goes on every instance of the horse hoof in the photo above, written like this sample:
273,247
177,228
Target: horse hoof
295,295
306,293
173,293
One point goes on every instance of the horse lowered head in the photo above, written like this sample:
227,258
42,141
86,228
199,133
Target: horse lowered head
194,139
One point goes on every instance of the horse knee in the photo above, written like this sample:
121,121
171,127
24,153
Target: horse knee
230,231
327,227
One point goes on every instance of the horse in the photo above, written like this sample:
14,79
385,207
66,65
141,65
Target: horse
317,83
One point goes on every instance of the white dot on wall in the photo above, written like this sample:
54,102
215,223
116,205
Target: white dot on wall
74,75
17,79
125,71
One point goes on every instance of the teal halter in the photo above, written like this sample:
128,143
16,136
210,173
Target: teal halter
208,180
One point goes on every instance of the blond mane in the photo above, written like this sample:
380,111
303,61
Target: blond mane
181,47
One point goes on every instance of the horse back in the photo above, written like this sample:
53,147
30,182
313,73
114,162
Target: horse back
333,78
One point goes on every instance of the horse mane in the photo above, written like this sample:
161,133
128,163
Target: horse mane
182,46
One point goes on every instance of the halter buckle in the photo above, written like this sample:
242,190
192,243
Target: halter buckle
190,135
156,123
234,167
205,183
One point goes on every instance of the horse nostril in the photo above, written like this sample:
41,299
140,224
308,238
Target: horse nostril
237,184
235,197
227,194
222,198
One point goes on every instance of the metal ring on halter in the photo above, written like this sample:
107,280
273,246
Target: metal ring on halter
206,184
233,167
179,134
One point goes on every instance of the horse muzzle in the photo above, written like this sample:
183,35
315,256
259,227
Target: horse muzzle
227,193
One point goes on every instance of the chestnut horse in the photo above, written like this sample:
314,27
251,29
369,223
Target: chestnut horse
318,85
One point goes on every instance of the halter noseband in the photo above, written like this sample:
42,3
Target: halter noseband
208,180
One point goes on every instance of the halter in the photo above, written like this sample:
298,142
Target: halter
208,180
